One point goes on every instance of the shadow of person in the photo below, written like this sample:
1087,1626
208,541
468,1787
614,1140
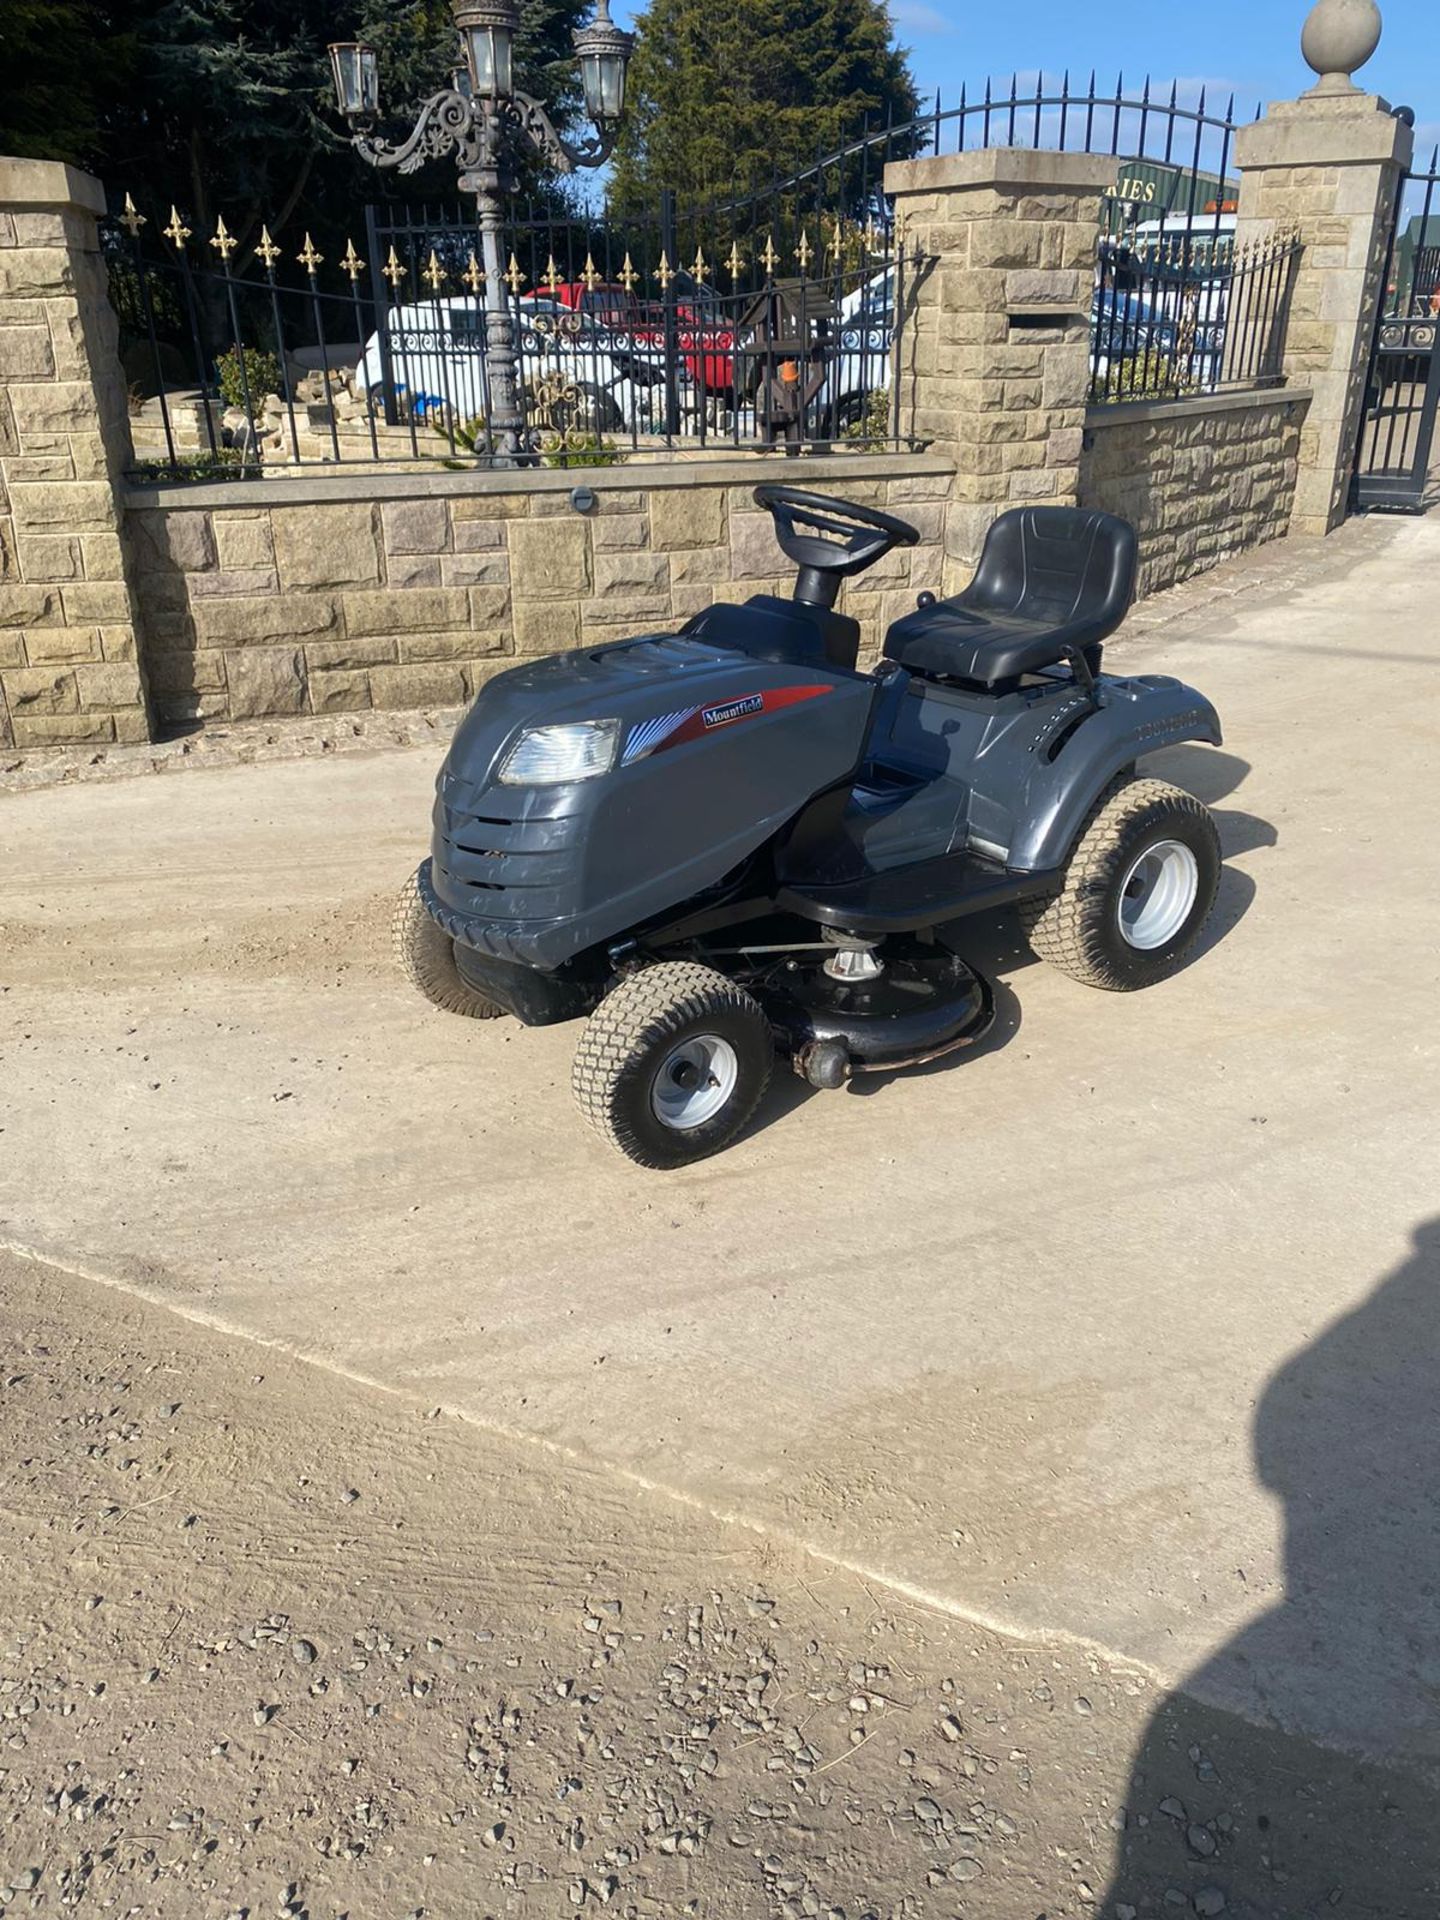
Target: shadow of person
1295,1773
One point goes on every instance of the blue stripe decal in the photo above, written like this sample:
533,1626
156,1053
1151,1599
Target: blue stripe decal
645,737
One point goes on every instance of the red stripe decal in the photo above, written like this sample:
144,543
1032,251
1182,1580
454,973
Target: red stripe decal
725,713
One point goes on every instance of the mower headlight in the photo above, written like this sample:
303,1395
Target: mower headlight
549,756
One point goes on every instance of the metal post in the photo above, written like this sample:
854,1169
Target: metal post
381,305
669,253
507,418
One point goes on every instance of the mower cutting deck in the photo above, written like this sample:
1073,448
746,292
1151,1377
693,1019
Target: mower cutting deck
728,842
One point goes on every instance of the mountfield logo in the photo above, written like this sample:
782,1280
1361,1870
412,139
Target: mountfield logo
733,710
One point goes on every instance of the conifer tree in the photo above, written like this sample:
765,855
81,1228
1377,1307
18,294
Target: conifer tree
725,92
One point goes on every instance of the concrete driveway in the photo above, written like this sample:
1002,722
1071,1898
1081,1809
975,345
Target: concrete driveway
1119,1330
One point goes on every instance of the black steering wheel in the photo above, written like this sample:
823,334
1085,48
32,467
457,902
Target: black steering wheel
861,534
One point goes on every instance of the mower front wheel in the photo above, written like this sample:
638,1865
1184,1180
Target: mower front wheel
1138,888
426,954
672,1064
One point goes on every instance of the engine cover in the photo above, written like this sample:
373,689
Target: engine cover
717,751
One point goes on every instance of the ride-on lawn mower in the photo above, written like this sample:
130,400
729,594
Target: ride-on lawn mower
728,842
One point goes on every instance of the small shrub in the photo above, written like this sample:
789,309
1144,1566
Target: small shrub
226,463
261,375
872,429
1142,376
579,450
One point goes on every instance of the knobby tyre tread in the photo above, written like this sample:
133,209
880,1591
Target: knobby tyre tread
1071,928
426,955
635,1021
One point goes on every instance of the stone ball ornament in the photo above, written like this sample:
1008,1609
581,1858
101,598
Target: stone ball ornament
1339,36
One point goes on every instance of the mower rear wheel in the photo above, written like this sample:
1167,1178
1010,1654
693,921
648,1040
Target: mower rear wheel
1139,886
427,957
673,1063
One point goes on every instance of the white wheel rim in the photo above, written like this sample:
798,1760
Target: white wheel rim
1157,894
694,1082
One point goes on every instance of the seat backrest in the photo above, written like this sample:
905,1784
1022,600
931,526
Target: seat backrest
1070,567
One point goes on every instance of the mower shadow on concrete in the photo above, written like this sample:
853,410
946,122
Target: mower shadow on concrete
1213,775
1209,773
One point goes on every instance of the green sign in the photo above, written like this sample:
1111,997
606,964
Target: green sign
1152,188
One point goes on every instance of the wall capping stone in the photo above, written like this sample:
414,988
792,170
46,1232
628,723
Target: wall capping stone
48,183
1117,413
1025,168
1334,130
365,484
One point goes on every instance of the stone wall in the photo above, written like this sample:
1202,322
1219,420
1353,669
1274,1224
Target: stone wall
358,587
1327,167
335,595
1199,479
1000,244
68,665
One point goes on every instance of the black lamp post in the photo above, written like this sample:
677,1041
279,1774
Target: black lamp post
483,120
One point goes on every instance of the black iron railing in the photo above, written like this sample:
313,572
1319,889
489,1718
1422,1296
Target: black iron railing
1175,310
1402,389
699,332
1188,314
772,314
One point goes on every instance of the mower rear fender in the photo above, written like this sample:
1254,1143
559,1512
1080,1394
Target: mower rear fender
1138,716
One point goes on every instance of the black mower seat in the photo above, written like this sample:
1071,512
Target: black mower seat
1051,581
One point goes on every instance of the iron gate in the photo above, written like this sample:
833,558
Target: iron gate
1397,431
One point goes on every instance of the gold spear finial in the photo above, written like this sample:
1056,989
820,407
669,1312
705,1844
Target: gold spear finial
804,253
513,277
735,265
434,273
473,276
393,271
837,242
351,261
224,242
177,233
769,259
132,219
308,256
551,276
266,249
664,273
590,274
628,276
699,266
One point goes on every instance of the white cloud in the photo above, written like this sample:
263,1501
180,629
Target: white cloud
919,17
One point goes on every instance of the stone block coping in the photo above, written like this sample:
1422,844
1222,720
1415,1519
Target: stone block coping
1120,413
1029,169
1339,130
48,183
285,487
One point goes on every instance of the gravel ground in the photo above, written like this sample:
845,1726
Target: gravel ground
274,1643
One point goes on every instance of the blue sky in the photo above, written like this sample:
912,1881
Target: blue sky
1250,45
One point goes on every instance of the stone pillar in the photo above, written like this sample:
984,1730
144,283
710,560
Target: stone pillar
1328,165
68,667
993,355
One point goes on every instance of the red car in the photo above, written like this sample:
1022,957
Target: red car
706,344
